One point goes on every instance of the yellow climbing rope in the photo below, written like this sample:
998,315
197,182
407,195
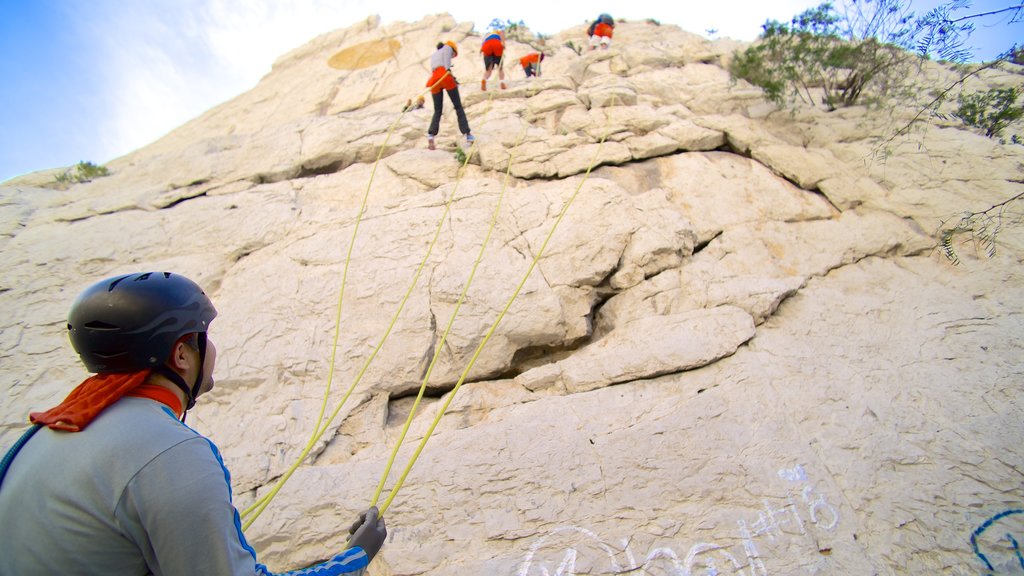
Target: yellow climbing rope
439,347
490,332
261,504
252,512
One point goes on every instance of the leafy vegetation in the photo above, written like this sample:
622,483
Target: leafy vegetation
862,47
869,49
460,155
82,172
514,29
991,111
518,30
824,57
932,108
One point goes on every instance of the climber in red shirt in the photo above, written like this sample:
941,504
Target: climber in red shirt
600,32
493,50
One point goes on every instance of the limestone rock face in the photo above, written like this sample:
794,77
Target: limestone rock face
671,329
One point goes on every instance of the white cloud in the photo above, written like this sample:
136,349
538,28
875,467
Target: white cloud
161,64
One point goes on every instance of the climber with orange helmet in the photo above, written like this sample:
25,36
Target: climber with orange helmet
111,480
442,79
531,63
493,49
600,31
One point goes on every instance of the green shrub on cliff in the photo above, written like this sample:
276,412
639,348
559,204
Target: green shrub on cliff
82,172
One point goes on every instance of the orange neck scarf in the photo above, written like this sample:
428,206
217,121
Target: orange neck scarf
160,394
94,395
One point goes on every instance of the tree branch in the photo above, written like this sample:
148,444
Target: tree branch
1000,11
942,95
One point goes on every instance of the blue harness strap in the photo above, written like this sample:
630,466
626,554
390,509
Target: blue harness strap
9,457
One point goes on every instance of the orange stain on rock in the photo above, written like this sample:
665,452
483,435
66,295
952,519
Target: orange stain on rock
364,55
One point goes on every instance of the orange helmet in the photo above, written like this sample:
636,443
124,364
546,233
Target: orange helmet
455,48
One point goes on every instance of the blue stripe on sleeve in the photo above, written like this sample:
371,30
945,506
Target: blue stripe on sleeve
351,561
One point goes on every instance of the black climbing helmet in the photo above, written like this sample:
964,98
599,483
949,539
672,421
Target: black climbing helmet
128,323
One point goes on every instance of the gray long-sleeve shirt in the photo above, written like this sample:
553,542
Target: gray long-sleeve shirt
137,492
442,58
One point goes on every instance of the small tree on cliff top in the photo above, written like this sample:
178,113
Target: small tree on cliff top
863,47
870,47
822,55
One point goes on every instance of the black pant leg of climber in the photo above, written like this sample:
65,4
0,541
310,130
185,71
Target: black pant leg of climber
457,103
435,122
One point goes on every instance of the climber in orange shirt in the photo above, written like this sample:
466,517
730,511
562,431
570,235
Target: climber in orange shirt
531,63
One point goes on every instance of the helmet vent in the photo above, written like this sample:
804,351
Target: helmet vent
98,325
115,283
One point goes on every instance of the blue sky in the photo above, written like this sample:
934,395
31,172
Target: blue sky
93,80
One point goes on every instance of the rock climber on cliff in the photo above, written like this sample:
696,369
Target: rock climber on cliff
531,63
111,480
441,78
600,31
493,49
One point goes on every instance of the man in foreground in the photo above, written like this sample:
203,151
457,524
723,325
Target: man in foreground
111,481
